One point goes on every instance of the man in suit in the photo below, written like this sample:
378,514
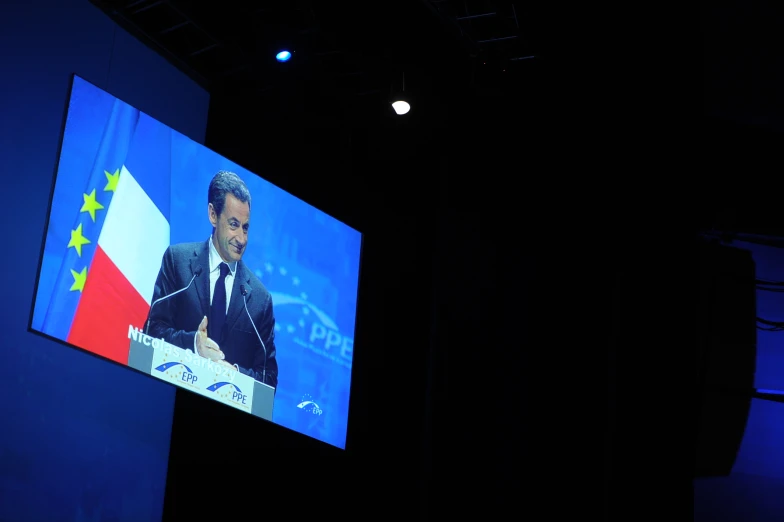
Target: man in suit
209,318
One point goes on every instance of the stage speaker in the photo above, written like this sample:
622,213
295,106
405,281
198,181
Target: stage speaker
726,355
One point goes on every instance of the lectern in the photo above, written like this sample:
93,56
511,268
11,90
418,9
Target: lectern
187,370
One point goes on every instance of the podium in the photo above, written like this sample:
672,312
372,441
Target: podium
187,370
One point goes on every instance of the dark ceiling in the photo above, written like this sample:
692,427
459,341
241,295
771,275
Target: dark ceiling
348,48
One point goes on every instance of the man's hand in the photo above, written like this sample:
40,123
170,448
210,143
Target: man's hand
206,346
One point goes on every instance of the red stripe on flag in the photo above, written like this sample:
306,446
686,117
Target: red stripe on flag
109,304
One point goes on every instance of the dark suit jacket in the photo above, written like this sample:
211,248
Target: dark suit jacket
176,319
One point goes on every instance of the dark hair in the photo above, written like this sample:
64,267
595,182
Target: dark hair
223,183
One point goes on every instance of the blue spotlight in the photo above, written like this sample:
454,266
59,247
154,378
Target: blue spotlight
283,56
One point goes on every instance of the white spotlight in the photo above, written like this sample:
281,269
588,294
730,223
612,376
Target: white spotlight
401,107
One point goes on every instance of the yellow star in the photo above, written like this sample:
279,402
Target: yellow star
91,205
77,240
111,180
79,279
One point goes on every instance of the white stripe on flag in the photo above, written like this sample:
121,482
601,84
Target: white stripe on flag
134,235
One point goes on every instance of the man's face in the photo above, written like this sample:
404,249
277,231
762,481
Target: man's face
231,228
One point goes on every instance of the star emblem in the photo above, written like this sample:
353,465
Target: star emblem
111,180
77,240
79,279
91,205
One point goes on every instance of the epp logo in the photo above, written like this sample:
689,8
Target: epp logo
185,375
309,406
228,391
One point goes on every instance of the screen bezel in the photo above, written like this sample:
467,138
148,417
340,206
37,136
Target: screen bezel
69,94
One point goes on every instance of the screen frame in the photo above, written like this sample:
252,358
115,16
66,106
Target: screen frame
42,249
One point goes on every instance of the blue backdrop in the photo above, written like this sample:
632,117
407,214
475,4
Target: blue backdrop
308,261
79,440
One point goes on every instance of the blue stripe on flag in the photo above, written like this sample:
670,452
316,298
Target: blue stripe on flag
149,161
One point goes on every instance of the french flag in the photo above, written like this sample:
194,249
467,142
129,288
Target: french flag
118,290
107,273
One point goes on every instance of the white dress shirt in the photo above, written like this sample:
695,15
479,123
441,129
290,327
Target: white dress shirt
215,262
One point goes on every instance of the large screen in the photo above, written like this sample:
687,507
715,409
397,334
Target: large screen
161,255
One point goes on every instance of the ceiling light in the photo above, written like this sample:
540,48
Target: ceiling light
400,102
401,107
283,56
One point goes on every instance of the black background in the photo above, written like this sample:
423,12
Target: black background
524,226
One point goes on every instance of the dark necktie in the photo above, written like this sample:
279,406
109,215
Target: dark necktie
218,310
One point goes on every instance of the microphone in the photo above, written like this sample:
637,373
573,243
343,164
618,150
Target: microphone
244,293
196,273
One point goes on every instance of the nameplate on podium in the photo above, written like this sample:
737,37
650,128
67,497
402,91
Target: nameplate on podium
187,370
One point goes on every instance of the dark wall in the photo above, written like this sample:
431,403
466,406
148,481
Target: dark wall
520,402
742,65
82,439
